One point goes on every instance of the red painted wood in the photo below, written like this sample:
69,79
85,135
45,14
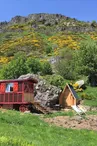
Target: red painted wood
2,87
15,87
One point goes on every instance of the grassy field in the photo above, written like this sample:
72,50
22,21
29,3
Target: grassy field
17,129
90,94
60,113
92,103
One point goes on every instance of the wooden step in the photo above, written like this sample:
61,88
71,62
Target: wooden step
41,108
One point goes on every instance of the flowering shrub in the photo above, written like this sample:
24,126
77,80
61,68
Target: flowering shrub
4,60
69,41
30,39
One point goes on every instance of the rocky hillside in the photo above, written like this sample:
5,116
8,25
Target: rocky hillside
56,21
42,35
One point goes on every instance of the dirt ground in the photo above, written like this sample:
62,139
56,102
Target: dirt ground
76,122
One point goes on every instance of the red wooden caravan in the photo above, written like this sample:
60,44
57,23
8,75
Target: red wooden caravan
17,94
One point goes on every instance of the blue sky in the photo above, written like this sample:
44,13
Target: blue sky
81,9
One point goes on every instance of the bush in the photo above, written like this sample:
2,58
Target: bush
48,49
33,65
88,96
65,69
46,68
15,68
56,80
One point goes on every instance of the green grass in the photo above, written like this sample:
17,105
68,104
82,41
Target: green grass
91,90
91,93
92,103
60,113
18,129
92,113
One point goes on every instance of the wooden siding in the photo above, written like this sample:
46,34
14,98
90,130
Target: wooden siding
66,98
28,97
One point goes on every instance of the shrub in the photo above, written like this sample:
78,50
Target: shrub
88,96
55,80
15,68
33,65
46,68
65,69
48,49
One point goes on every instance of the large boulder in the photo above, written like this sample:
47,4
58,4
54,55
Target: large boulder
46,94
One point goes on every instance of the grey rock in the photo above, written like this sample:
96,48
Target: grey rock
47,95
18,19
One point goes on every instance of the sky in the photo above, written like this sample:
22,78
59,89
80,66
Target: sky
85,10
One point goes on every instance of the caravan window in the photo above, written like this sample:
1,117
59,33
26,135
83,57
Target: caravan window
9,87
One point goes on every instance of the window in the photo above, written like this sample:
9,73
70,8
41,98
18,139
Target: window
9,87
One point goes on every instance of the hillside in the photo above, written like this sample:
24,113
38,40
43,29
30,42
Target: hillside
36,33
58,50
46,44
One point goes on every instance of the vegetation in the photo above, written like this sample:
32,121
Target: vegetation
89,95
55,80
29,130
60,113
86,60
15,68
46,68
34,65
21,65
74,55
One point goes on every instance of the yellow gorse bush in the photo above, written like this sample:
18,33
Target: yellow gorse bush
65,41
4,60
31,39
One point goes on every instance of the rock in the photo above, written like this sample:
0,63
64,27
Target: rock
57,21
88,108
46,94
93,108
76,118
18,19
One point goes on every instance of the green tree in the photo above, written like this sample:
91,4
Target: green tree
65,66
65,69
55,80
46,68
33,65
85,60
15,68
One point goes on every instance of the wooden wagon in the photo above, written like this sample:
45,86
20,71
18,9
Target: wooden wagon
17,94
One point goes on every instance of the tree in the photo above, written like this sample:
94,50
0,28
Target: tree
65,69
85,59
64,66
46,68
15,68
33,65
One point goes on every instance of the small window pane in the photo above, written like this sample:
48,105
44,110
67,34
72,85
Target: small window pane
9,87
